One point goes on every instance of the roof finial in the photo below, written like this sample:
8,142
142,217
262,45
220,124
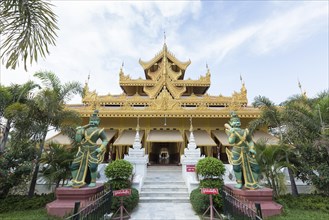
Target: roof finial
137,128
191,124
88,78
164,36
121,66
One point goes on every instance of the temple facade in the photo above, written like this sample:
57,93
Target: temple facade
165,106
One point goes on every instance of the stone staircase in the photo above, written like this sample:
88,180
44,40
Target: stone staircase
164,184
164,196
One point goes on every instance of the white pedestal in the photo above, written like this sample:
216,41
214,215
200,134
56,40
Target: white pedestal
136,156
191,156
140,169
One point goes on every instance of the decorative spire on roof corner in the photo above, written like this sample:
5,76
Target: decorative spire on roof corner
86,87
208,71
122,65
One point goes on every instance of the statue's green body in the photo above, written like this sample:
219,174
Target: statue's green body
242,155
89,154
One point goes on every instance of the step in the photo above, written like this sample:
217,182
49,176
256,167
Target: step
176,172
164,199
168,183
164,168
164,194
161,188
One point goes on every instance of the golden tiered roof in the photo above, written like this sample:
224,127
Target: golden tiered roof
164,91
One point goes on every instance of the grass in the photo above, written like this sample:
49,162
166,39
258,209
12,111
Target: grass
304,207
35,214
298,214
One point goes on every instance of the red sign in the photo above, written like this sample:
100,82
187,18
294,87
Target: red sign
190,168
209,191
122,192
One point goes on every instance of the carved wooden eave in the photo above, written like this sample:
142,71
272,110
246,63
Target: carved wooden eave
130,112
158,58
164,92
235,102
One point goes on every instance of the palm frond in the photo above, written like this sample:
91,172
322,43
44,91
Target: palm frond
28,28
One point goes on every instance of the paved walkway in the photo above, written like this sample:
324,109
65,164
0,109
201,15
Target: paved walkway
165,209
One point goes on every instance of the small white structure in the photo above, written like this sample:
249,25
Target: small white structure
191,156
136,156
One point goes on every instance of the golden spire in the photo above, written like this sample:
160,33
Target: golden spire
208,71
191,125
85,90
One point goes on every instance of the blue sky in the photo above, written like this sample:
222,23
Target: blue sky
271,44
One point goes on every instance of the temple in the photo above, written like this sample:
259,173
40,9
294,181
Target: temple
165,105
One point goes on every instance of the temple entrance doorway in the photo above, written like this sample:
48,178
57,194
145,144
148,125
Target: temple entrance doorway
164,153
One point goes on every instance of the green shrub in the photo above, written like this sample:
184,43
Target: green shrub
316,202
210,167
214,183
120,184
119,169
119,173
200,202
19,203
211,183
129,202
212,171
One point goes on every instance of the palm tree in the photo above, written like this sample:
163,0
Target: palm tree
28,27
49,111
57,160
271,159
13,100
307,120
272,116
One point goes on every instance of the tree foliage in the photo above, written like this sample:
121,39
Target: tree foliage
273,117
303,123
13,107
49,110
271,160
57,160
27,28
16,165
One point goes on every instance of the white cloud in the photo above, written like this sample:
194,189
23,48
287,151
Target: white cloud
283,29
97,36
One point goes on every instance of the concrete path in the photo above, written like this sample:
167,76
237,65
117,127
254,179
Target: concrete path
164,196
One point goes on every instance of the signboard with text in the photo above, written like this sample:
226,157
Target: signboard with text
209,191
190,168
122,192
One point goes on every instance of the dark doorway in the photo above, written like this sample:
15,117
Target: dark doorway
164,153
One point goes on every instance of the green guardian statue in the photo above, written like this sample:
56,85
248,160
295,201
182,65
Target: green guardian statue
89,154
243,154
